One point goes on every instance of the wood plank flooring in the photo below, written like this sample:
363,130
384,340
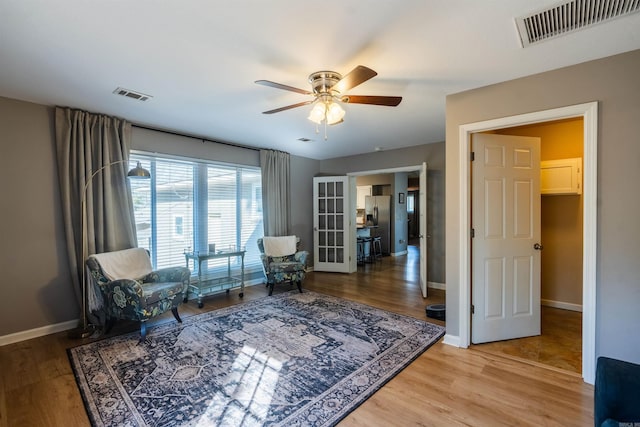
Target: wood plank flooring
445,386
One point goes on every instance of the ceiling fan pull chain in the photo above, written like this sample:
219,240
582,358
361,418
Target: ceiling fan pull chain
325,130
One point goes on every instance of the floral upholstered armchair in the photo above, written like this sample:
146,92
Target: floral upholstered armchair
132,291
282,261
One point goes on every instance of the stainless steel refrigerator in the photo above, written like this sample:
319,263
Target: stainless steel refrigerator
378,211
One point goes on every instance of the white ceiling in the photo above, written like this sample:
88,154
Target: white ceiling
199,60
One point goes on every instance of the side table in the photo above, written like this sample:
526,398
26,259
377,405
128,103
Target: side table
210,285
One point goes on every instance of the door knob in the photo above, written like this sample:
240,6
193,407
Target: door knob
538,247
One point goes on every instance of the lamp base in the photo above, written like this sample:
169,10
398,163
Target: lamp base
82,332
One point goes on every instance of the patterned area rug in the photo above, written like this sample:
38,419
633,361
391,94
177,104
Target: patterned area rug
292,359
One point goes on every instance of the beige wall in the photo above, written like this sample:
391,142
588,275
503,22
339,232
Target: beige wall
561,215
613,82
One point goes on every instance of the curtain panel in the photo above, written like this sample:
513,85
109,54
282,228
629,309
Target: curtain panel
87,147
276,192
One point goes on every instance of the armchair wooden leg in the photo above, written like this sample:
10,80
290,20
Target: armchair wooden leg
174,310
143,331
108,324
271,288
299,283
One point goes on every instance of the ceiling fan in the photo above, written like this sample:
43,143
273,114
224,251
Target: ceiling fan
328,90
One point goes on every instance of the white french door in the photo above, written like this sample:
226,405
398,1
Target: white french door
423,229
333,234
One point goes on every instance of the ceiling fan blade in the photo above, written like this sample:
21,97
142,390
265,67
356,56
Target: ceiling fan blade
281,86
288,107
389,101
358,75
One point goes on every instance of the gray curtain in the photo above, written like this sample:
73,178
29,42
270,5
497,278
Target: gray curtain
85,143
276,192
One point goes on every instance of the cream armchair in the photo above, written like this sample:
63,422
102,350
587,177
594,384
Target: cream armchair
132,291
281,260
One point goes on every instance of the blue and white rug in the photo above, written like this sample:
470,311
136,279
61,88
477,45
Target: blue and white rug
290,360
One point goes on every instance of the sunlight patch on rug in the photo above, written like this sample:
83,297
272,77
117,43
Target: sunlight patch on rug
291,359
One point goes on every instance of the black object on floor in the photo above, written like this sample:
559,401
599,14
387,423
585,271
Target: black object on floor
436,311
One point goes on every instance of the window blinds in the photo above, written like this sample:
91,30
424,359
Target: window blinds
189,204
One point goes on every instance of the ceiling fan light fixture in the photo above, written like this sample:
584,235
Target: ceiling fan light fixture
327,89
318,112
335,114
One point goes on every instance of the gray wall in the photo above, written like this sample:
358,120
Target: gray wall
614,83
36,284
33,260
33,256
302,172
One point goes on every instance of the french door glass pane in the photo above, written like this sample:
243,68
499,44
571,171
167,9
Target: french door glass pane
322,189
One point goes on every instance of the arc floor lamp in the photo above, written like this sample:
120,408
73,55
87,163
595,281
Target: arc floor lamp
85,330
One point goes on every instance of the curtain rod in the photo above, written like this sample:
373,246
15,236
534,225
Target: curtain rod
195,137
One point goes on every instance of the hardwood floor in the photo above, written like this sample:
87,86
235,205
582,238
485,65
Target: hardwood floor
444,386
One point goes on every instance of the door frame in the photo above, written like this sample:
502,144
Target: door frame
589,114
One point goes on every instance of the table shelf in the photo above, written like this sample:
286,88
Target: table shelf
211,284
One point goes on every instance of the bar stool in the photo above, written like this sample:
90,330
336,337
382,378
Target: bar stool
376,249
360,250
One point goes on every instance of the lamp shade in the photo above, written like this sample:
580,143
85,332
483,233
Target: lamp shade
335,114
317,112
139,172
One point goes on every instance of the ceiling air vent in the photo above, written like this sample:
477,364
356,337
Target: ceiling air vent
132,94
571,16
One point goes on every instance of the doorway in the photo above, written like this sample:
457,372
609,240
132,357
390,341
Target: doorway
422,171
589,113
559,341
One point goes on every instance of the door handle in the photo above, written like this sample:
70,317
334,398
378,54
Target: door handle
538,247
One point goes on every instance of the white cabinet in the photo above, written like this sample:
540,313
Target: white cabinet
558,177
362,192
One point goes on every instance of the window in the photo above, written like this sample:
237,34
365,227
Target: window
178,229
188,204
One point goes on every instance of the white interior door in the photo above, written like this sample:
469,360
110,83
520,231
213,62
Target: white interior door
333,231
506,237
422,232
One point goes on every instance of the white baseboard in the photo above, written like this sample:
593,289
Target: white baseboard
436,285
38,332
259,281
452,340
65,326
562,305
